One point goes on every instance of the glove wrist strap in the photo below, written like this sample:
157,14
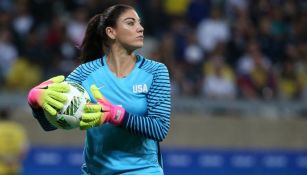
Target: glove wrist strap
116,115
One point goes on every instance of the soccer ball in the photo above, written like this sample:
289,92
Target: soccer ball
69,116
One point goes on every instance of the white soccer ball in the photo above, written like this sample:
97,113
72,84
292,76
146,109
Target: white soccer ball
69,116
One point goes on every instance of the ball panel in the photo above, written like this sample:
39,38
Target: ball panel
67,121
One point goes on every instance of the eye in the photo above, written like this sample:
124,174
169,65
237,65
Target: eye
130,23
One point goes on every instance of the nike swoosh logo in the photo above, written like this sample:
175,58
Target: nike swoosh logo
102,86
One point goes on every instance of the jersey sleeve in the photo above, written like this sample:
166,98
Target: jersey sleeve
76,75
156,123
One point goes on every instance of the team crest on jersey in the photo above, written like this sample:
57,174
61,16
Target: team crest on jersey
140,88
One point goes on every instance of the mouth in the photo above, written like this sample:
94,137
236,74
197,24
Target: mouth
140,37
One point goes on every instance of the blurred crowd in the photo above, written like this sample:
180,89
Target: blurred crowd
214,49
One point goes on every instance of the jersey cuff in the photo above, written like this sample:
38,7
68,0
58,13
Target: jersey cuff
125,119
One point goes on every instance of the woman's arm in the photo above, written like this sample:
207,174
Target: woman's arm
156,123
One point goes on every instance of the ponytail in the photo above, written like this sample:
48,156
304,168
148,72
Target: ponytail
92,44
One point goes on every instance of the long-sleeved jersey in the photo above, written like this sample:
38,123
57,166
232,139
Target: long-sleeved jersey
133,147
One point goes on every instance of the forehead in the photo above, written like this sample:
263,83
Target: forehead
130,13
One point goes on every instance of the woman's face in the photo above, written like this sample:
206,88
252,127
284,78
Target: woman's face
129,31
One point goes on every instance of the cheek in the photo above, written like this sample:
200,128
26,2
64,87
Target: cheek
125,34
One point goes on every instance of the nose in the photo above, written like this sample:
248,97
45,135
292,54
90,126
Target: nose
140,28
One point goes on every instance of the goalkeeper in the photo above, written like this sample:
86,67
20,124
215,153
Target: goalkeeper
131,100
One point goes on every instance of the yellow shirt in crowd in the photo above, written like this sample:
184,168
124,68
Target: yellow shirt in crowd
13,146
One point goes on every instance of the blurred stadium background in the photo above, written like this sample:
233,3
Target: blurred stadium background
238,71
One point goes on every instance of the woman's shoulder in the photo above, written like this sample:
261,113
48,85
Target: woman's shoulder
150,63
89,66
85,69
94,63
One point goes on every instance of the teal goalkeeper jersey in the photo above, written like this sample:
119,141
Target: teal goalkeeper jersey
133,147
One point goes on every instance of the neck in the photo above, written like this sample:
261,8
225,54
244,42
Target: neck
120,61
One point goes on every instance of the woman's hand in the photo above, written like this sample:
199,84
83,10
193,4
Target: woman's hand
49,95
104,111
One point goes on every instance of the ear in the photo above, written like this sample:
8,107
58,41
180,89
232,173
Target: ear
110,32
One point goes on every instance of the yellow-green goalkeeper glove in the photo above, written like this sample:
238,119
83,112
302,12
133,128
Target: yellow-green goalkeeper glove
49,95
104,111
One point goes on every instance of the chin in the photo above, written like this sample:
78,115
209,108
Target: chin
137,46
139,43
140,46
134,46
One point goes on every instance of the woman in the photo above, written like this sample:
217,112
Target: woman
124,125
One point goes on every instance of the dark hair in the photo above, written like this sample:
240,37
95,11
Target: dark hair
95,41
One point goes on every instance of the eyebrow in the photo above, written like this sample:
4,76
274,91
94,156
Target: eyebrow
131,19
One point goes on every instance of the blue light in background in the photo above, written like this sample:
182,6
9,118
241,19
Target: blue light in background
68,160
